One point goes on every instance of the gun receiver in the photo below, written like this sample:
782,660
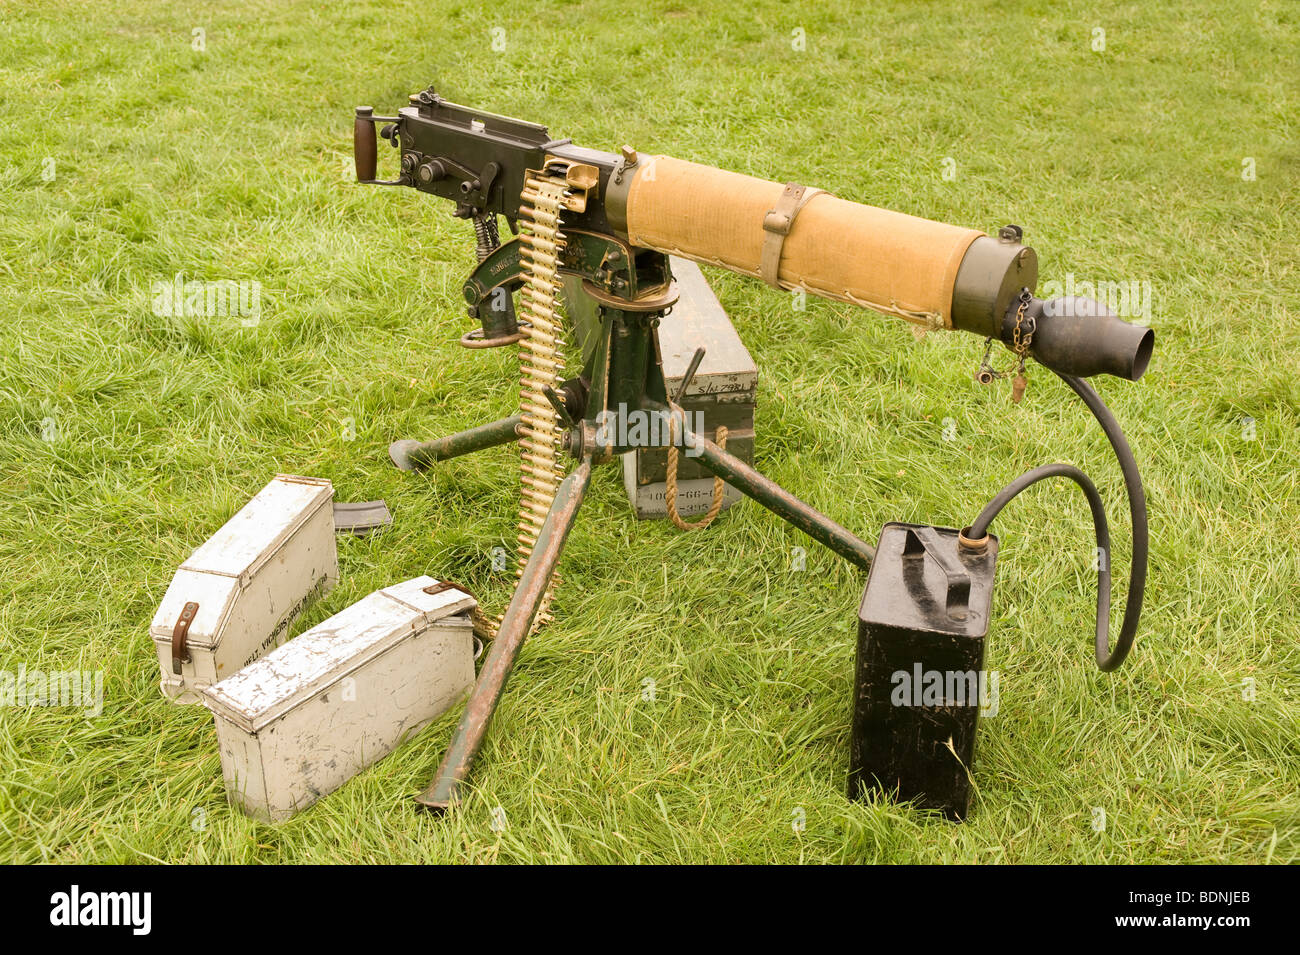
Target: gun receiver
929,273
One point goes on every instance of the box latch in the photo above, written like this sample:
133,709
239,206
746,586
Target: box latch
180,650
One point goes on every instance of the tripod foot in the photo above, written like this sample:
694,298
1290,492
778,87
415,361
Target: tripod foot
400,453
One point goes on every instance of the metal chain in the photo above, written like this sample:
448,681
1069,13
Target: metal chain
1020,342
1022,337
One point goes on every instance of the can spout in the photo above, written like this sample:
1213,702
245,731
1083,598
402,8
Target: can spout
1081,337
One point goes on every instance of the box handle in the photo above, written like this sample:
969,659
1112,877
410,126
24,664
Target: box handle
180,651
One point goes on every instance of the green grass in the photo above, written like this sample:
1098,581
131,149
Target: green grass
126,439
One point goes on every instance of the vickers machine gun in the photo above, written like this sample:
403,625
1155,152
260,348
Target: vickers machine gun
604,224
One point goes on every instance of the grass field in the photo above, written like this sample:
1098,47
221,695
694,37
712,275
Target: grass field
1168,157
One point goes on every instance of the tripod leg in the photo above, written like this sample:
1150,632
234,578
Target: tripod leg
443,792
418,455
781,502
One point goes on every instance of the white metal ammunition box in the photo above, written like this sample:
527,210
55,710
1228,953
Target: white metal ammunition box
308,716
722,393
236,596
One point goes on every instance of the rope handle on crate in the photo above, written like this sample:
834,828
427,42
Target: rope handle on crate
670,483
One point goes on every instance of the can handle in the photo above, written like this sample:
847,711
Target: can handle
921,542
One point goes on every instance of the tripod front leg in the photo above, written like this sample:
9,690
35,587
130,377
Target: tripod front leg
781,502
444,791
418,455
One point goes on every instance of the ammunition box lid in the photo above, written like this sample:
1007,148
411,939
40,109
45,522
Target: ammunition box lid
329,651
699,321
214,593
214,575
250,538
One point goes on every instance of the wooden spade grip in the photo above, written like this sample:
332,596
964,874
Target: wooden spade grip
365,147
